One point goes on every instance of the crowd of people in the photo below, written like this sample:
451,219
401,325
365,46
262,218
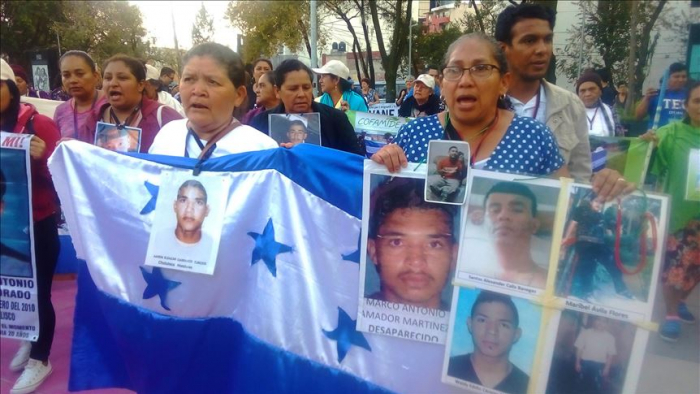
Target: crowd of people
490,92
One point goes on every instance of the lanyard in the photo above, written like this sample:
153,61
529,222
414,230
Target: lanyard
590,120
208,149
113,117
451,134
537,103
75,111
198,140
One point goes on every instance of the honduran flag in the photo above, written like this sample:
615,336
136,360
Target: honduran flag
277,316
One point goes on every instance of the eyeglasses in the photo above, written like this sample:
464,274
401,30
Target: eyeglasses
479,71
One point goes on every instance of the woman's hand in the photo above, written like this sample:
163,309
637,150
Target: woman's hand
392,156
37,148
344,106
287,145
650,136
609,184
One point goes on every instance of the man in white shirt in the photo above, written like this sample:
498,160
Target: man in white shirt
602,120
595,349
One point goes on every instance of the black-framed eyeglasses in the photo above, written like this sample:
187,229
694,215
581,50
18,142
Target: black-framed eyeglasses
479,71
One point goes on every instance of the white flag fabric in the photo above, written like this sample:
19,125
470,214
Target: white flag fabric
278,314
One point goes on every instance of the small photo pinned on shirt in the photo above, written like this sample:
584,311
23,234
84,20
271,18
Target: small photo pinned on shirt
124,139
448,166
296,129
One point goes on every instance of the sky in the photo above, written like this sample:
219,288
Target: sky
157,20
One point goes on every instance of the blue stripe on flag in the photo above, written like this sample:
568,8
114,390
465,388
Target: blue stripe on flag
134,348
338,182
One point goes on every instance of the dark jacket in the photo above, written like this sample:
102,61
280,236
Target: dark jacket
44,199
149,122
431,107
336,130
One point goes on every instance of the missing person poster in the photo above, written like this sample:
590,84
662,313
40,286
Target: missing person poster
448,165
19,317
296,129
629,156
411,248
508,232
492,342
375,130
611,253
188,221
118,139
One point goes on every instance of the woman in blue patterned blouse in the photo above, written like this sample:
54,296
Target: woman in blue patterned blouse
474,86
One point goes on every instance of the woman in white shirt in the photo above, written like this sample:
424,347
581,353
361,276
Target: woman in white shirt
211,87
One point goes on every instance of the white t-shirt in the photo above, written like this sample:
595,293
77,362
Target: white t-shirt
166,98
526,109
167,244
598,127
173,136
595,345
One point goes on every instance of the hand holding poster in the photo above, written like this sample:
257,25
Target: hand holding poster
18,295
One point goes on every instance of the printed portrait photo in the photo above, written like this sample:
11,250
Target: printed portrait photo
411,246
493,341
188,222
591,354
109,136
15,220
508,231
296,128
448,165
609,255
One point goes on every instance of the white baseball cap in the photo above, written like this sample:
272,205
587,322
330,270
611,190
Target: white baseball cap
427,80
335,67
152,73
6,73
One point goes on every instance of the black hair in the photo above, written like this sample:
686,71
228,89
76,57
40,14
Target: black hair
288,66
604,75
430,67
496,51
450,148
297,122
9,119
489,296
196,185
80,54
515,13
270,75
262,59
345,85
402,193
134,65
516,188
3,184
109,135
693,85
225,56
676,68
369,83
166,72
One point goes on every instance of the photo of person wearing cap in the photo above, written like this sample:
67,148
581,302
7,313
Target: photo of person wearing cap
424,102
337,90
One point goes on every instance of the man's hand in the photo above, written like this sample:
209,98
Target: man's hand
651,92
37,148
609,184
650,136
392,156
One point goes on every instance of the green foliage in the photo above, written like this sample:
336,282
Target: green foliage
606,39
102,28
203,27
26,26
430,48
269,25
488,12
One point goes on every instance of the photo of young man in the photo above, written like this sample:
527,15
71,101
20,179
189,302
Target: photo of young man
411,244
191,208
511,218
448,169
494,327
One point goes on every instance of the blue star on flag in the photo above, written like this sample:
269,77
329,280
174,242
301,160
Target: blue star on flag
267,248
346,335
157,285
354,256
151,204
